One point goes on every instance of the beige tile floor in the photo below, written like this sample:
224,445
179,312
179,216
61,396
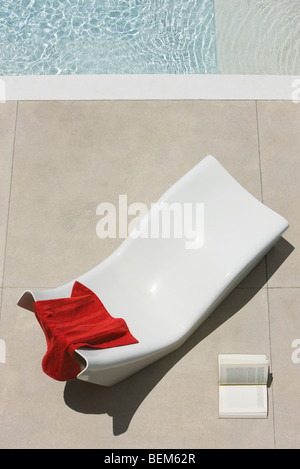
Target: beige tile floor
59,160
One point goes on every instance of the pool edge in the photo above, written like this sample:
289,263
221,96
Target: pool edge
150,87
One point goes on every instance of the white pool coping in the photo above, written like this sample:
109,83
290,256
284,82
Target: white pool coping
150,87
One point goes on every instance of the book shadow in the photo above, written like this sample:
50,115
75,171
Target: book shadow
122,400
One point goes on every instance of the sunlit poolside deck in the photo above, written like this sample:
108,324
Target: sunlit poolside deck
71,141
59,160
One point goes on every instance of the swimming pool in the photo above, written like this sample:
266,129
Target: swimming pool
258,36
66,37
149,49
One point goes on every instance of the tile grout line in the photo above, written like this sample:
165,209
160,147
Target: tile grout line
9,201
266,269
259,154
272,387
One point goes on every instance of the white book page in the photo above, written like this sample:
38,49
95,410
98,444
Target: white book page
243,400
237,374
242,357
243,369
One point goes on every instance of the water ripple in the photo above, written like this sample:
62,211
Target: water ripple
107,36
260,37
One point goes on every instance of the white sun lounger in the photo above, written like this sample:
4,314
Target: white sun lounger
163,290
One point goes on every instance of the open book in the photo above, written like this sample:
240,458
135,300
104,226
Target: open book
243,386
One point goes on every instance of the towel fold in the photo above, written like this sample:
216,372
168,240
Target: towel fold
78,321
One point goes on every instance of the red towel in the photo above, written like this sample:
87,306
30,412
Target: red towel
70,323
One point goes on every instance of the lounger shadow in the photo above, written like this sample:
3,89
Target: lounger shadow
122,400
163,288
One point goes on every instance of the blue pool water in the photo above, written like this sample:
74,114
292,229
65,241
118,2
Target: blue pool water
50,37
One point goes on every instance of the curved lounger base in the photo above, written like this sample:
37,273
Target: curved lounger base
163,290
